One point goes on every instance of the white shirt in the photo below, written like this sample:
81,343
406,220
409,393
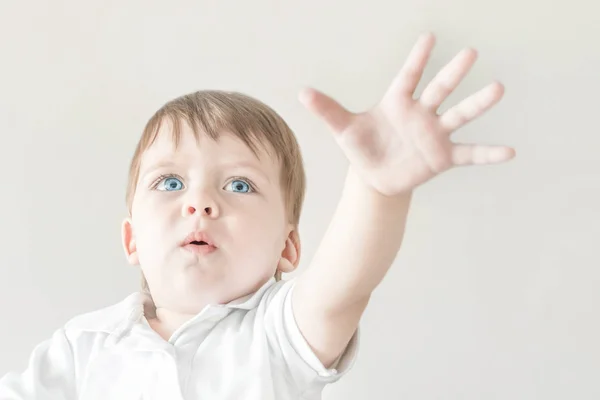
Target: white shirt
248,349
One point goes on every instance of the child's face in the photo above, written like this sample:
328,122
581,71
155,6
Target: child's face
217,187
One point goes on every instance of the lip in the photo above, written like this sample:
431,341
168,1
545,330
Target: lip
199,236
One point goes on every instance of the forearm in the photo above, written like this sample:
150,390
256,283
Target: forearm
360,244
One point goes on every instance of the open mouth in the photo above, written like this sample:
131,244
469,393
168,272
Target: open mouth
199,243
199,247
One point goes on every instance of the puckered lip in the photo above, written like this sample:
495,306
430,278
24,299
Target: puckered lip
198,238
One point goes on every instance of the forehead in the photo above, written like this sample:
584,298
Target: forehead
191,147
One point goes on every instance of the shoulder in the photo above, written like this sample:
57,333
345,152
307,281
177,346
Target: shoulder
276,294
291,348
107,319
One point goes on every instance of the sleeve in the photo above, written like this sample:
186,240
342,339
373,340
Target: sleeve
304,367
49,375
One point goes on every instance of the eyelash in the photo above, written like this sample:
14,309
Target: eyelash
163,177
234,178
242,178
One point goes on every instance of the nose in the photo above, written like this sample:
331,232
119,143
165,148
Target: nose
200,206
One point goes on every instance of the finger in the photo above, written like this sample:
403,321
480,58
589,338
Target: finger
472,154
449,77
334,115
472,107
407,80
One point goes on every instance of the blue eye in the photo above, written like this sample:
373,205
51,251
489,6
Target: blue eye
239,186
170,184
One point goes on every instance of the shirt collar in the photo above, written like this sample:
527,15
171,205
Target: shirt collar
119,319
251,300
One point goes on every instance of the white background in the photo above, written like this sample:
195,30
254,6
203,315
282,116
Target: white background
496,291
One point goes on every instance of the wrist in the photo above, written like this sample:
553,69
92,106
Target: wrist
357,188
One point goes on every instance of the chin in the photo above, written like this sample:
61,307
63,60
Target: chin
200,283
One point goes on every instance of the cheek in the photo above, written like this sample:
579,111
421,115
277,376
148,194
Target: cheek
160,202
265,231
261,217
156,209
152,229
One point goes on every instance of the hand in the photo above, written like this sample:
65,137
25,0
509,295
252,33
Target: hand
402,142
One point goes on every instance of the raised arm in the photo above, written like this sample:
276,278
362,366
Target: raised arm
392,149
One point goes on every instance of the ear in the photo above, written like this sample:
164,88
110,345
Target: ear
290,256
128,240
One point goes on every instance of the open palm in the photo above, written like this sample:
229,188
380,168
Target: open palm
402,142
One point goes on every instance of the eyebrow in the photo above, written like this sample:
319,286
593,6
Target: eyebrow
246,164
158,165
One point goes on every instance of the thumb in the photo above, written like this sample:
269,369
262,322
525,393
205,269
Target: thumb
334,115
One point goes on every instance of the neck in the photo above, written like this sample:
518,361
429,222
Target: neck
165,322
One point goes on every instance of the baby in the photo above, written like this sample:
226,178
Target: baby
215,194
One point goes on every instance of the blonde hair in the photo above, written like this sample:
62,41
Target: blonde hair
211,112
